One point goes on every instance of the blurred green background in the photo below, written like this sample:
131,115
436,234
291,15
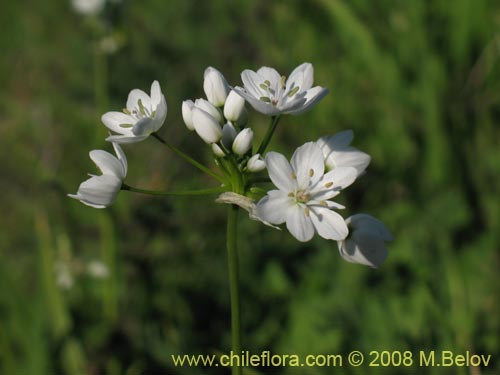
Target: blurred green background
417,81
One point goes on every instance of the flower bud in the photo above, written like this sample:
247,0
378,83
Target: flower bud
187,109
215,87
217,150
243,142
209,108
234,106
228,135
206,126
256,163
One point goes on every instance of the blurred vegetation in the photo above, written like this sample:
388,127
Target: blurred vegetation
417,81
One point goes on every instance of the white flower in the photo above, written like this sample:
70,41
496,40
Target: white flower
97,269
243,142
268,93
88,7
101,191
215,86
256,163
234,107
206,126
338,153
144,115
302,200
366,244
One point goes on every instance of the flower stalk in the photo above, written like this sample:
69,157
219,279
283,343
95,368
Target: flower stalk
234,291
217,190
187,158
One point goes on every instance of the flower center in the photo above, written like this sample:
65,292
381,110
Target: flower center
302,196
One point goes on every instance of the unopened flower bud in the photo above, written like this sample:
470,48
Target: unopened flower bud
228,135
215,87
206,126
234,106
187,109
256,163
217,150
243,142
209,108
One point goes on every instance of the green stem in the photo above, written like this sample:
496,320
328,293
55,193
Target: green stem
269,134
175,193
232,262
187,158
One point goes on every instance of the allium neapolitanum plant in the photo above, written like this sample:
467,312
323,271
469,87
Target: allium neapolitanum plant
317,172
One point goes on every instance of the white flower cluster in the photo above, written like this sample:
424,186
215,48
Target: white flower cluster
305,185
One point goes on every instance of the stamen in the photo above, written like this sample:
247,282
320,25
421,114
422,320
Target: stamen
265,99
141,107
306,211
267,83
294,176
323,203
311,172
291,195
126,111
283,81
264,86
329,185
293,92
126,125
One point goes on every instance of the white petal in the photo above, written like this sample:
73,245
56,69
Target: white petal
299,224
98,191
348,157
206,126
308,164
161,114
122,139
313,96
329,224
209,108
187,108
228,134
113,120
133,99
251,81
144,127
274,78
302,77
366,252
273,207
333,182
156,94
280,172
365,221
122,158
107,163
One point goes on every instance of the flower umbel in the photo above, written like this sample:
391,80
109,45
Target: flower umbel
101,191
144,115
272,94
302,200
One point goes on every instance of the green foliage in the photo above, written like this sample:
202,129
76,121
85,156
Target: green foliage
417,81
